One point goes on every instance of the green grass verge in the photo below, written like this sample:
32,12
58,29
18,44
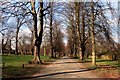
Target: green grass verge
17,60
103,72
104,62
13,65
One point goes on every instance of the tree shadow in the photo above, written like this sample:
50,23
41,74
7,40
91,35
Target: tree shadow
65,58
66,62
100,60
19,71
58,73
104,60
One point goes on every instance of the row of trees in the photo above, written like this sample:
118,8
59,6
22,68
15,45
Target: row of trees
38,17
88,28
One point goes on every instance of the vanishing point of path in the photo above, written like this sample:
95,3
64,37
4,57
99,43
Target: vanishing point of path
65,68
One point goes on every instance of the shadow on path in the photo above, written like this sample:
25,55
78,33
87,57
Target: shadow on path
66,62
58,73
65,58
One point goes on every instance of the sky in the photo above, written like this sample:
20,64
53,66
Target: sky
63,0
114,20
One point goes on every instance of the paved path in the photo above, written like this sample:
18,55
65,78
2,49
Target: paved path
65,68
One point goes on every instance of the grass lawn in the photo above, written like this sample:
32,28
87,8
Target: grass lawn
13,65
104,62
103,72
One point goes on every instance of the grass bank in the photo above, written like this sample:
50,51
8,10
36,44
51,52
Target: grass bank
14,65
104,62
104,72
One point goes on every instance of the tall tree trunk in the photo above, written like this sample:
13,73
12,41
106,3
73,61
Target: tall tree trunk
51,37
73,36
16,49
83,51
36,58
39,39
2,43
32,43
10,46
92,33
83,32
77,7
44,51
55,54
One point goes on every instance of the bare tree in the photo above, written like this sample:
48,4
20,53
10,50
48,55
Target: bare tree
51,29
92,33
38,34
